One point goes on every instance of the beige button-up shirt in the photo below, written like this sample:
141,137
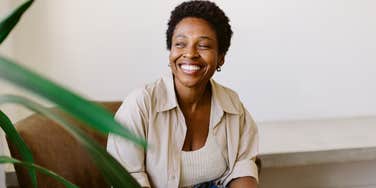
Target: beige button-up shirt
153,113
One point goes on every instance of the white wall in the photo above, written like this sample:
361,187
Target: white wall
27,45
289,59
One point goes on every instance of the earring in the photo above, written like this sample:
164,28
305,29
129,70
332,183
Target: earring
219,69
169,65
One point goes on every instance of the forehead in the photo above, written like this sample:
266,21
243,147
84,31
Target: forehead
194,27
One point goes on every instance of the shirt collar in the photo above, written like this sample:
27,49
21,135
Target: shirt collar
225,98
166,94
221,96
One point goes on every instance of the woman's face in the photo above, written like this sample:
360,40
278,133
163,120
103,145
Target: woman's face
194,53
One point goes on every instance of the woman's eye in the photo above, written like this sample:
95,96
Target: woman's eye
179,45
203,46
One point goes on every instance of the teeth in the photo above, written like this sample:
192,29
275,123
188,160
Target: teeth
190,67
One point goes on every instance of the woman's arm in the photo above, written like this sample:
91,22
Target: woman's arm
245,169
132,114
243,182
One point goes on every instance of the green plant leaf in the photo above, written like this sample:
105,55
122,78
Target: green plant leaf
8,23
91,114
15,138
112,170
5,159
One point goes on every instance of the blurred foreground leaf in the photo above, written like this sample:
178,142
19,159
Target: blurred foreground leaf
18,142
92,114
115,174
8,23
5,159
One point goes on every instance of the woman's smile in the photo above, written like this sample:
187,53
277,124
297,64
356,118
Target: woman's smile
191,68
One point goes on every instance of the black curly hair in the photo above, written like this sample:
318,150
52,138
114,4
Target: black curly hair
208,11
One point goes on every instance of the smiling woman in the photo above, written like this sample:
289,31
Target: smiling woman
199,131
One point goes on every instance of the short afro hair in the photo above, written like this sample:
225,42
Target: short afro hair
208,11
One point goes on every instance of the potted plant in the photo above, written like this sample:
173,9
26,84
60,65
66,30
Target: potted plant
93,115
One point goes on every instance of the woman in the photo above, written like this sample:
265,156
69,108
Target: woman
199,132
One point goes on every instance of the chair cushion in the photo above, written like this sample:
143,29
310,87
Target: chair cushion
54,148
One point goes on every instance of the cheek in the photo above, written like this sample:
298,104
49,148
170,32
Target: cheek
173,55
211,58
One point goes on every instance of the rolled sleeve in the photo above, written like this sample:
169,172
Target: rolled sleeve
242,169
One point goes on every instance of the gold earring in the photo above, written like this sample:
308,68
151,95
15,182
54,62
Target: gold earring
219,69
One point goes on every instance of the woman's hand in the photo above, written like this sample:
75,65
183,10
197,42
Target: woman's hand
243,182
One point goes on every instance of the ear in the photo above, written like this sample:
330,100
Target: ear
221,59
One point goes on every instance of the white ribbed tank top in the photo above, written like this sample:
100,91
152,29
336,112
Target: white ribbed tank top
202,165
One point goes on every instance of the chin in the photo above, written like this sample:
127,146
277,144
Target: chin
189,82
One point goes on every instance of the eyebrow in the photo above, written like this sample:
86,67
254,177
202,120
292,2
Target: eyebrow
201,37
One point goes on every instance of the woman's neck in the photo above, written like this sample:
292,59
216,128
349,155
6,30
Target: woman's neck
190,99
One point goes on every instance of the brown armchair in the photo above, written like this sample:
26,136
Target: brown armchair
55,149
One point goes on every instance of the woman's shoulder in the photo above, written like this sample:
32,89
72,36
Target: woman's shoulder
228,98
224,90
149,93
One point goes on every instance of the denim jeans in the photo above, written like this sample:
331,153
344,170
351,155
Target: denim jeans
209,184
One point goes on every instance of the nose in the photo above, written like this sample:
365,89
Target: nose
191,52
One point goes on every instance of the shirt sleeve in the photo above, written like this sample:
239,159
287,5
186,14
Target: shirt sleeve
133,115
245,164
